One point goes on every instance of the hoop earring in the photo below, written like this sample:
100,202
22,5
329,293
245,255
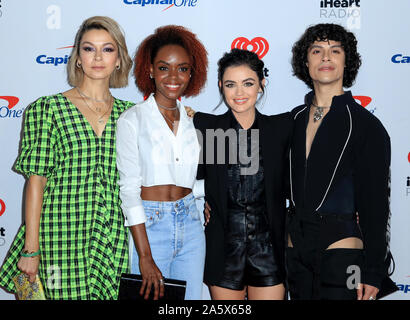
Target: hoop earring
118,67
78,65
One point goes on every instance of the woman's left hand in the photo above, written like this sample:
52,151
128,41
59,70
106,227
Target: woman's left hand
370,292
190,112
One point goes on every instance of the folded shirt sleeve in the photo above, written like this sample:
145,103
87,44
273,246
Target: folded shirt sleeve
129,168
198,190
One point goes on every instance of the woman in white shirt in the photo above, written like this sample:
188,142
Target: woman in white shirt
157,158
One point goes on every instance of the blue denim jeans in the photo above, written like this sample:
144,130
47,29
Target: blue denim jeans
177,241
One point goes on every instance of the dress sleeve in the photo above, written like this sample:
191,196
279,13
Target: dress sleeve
373,176
37,155
128,164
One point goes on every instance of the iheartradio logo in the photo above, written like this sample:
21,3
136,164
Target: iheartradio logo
2,207
258,45
364,100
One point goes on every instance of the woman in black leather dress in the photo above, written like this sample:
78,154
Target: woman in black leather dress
244,186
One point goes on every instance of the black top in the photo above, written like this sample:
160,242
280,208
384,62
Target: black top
347,171
246,186
274,139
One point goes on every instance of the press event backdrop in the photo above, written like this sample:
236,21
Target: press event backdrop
35,45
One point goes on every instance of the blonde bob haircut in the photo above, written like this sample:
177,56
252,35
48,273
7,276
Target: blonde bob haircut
119,78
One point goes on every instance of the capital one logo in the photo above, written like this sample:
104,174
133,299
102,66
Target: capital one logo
170,3
258,45
6,110
364,102
404,287
54,60
2,207
399,58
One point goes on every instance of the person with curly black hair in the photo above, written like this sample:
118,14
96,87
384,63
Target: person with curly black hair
339,177
320,32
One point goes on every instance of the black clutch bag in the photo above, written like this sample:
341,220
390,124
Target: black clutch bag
130,285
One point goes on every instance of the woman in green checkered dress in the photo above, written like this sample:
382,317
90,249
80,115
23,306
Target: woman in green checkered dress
73,218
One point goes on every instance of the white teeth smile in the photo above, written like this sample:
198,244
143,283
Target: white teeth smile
172,86
240,100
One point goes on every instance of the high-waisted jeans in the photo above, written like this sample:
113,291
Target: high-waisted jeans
177,241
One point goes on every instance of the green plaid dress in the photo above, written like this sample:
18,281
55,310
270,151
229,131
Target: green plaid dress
83,241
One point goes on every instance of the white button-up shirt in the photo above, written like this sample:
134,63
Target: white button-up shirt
149,154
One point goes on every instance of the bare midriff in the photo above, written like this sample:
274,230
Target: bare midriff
164,193
347,243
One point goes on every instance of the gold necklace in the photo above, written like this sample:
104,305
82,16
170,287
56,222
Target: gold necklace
169,120
168,108
100,120
96,100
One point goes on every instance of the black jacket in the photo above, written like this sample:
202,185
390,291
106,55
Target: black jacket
274,136
348,169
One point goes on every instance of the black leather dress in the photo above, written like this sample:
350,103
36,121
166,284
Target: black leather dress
249,257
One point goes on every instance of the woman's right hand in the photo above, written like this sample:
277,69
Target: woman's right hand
151,276
207,213
29,266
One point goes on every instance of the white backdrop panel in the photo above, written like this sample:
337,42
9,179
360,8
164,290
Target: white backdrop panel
31,30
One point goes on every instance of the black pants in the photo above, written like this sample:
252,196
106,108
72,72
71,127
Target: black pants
320,274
